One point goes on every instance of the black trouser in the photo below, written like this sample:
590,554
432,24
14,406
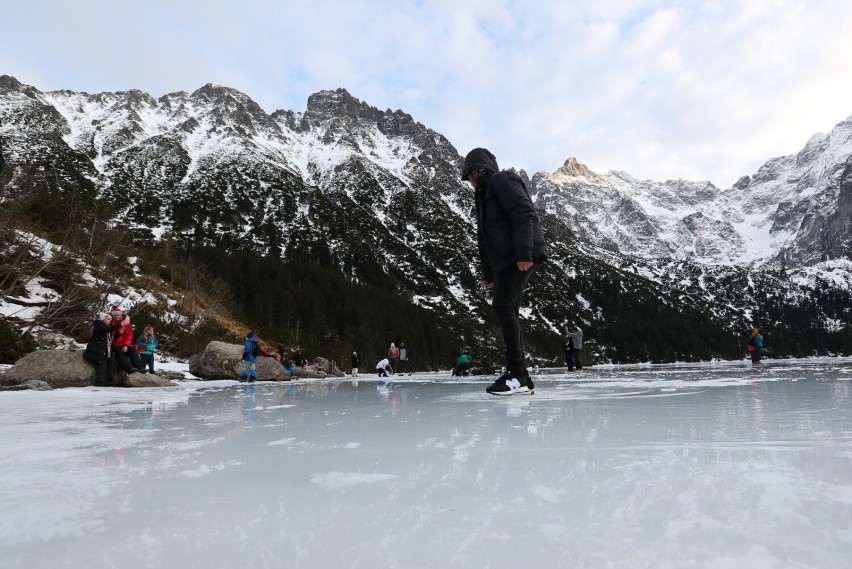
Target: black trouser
569,357
101,369
128,361
508,290
577,363
404,367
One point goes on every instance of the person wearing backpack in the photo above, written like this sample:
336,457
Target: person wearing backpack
511,245
755,346
251,351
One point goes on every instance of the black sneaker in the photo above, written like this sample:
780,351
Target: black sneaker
509,384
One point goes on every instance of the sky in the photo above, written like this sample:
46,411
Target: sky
661,89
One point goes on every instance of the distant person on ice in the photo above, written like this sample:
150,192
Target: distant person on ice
354,364
575,337
393,355
384,368
463,364
755,346
511,243
404,355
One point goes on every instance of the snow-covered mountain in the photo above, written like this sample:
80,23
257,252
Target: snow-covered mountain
376,195
794,211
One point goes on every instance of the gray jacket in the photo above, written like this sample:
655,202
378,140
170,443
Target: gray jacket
576,338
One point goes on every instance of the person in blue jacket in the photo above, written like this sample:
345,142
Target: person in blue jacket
250,348
147,345
755,343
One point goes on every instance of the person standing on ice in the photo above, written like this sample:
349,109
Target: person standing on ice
575,336
354,363
755,343
404,355
511,244
393,355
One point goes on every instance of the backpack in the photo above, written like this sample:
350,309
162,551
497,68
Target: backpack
255,348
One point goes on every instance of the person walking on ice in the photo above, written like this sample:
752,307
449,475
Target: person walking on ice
511,245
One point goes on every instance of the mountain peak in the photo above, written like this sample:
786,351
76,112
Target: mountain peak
216,92
327,104
572,167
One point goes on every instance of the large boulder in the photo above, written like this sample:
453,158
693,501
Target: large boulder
63,368
31,384
309,372
143,380
57,368
327,367
221,360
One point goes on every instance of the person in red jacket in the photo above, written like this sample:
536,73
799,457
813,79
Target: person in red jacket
393,356
124,352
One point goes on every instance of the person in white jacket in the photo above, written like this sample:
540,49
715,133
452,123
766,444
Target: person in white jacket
384,368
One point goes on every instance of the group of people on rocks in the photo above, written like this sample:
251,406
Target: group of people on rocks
252,350
112,346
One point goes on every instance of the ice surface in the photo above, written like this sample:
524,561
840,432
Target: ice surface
709,466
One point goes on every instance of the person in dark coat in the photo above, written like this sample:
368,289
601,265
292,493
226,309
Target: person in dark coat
99,347
511,245
355,362
298,359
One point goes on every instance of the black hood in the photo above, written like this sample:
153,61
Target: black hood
479,159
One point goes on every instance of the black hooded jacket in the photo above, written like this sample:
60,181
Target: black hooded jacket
507,226
98,348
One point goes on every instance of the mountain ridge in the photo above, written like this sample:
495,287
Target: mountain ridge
376,195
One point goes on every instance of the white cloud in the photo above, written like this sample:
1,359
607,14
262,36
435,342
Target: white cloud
659,88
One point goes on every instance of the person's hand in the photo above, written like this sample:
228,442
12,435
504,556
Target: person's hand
124,349
524,265
486,284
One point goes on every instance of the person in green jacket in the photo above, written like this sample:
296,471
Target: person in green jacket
463,364
146,346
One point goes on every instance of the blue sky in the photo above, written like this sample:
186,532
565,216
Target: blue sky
704,90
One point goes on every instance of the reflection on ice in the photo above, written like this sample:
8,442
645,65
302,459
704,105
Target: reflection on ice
714,465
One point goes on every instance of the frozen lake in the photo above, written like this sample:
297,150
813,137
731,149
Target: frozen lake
713,465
